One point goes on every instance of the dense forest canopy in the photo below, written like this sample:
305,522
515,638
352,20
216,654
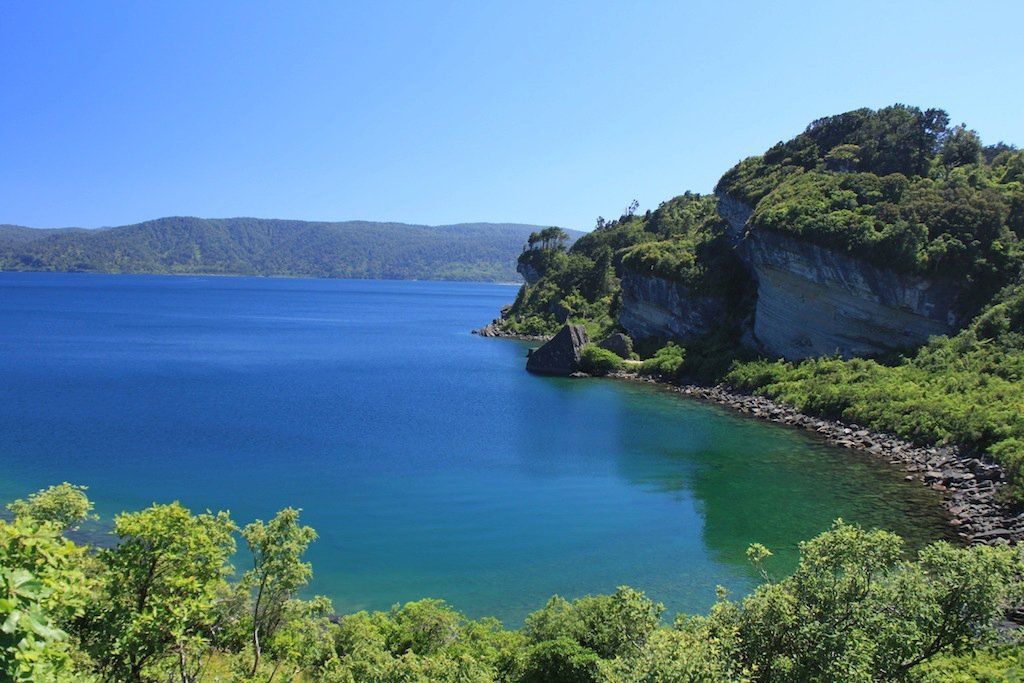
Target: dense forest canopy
897,187
252,246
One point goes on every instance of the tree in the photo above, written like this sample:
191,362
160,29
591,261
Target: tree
160,592
548,238
277,573
43,586
65,504
304,640
960,148
854,610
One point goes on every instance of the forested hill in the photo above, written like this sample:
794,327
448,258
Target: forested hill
255,246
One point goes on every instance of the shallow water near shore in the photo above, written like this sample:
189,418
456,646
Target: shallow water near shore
428,460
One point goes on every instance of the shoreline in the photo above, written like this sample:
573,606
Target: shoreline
968,485
492,330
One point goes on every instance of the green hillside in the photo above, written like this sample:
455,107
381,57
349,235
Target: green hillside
256,246
896,187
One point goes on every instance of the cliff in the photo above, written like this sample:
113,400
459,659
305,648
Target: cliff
813,301
656,307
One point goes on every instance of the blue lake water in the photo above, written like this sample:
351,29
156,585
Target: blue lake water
428,460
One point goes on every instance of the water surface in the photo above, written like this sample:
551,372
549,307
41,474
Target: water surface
429,462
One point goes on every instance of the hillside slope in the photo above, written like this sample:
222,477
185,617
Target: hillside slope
868,269
256,246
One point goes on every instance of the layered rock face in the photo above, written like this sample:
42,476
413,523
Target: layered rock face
656,307
561,354
812,301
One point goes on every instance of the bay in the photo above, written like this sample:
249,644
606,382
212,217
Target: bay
430,463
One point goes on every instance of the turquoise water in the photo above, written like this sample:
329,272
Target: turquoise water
428,460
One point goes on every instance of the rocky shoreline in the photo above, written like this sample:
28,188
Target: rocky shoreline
494,329
968,485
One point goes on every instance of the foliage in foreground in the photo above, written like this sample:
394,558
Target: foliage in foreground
161,605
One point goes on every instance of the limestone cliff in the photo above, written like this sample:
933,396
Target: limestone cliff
653,306
813,301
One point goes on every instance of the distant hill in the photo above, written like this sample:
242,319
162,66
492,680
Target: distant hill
257,246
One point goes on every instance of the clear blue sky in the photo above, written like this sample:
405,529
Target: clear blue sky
548,112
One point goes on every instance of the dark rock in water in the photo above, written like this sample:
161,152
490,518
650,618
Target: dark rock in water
619,344
560,355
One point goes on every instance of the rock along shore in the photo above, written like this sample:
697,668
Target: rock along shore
494,329
968,484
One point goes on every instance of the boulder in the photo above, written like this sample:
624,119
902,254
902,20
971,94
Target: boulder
561,354
619,344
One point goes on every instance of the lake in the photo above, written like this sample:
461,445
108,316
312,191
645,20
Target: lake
429,461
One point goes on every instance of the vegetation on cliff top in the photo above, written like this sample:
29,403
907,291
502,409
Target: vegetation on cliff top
683,240
896,187
901,189
253,246
163,603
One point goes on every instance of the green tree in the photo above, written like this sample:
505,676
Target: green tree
277,573
43,586
161,588
304,640
65,504
855,611
960,148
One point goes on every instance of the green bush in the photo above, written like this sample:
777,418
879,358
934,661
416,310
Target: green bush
667,362
163,604
597,361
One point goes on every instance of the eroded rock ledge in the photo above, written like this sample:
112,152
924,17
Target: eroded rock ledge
968,485
494,329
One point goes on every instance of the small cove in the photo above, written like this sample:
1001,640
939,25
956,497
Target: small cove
429,462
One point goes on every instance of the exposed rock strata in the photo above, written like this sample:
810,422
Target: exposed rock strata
561,354
656,307
736,214
814,301
968,485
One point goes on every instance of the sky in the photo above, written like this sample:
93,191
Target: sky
549,113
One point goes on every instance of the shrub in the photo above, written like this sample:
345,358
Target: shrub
667,362
597,361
